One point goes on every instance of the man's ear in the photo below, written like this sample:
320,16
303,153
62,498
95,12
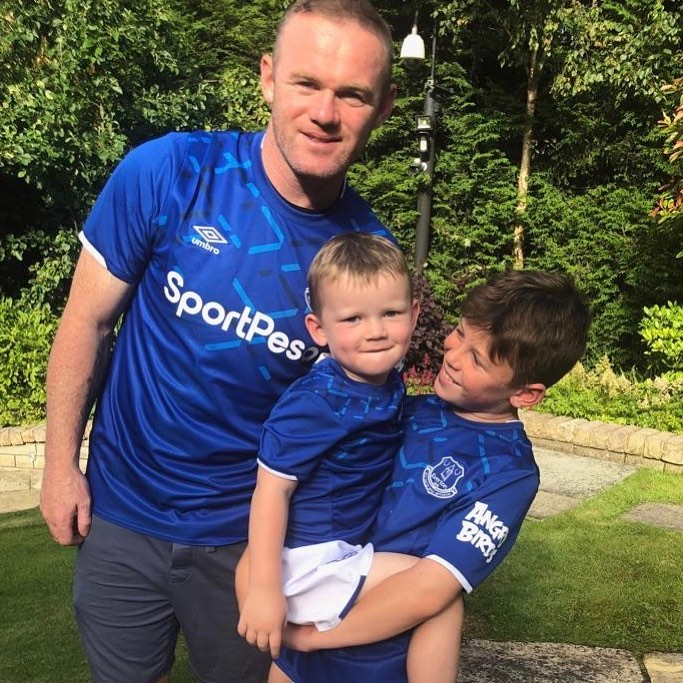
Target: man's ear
414,313
267,78
386,106
528,396
315,329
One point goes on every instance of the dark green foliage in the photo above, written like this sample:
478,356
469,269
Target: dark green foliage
81,82
25,337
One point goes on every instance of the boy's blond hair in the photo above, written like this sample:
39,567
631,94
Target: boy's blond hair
358,256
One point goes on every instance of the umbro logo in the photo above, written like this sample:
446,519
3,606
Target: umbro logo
210,236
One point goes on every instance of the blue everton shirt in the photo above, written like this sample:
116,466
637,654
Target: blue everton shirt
458,495
337,438
213,335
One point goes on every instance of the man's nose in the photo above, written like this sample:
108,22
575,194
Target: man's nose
324,109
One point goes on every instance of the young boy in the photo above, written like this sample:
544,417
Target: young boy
463,482
327,452
328,446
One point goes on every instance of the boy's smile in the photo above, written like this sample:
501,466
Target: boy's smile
470,380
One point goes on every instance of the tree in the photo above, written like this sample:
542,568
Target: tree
81,82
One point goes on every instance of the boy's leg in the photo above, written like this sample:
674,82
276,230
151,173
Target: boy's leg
434,650
276,675
385,565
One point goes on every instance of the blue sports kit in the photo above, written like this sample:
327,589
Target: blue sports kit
458,495
213,336
338,438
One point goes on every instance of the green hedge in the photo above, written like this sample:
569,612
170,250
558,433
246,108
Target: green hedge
26,335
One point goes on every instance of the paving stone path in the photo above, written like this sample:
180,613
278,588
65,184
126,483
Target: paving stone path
567,480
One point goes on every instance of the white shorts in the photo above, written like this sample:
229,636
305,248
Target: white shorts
322,581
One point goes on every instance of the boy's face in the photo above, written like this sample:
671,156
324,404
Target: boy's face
470,380
367,326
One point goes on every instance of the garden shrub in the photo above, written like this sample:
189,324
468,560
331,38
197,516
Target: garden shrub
26,335
662,330
602,394
423,359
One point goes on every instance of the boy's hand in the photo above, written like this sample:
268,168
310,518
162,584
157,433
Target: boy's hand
262,620
302,637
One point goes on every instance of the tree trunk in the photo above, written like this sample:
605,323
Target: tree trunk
525,162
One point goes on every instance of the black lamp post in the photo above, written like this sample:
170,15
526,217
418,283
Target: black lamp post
412,53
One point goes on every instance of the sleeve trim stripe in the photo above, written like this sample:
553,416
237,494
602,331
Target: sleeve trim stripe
282,475
467,586
88,246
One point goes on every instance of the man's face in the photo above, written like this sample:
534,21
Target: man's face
327,91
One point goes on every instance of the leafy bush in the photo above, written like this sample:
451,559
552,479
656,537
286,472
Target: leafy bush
426,349
26,334
602,394
662,330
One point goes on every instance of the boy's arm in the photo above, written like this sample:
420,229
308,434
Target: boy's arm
264,613
397,604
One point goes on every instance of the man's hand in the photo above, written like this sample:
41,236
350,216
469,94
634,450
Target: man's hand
65,505
263,620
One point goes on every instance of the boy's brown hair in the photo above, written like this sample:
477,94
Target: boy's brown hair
538,323
359,256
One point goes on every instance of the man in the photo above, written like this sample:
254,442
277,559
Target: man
203,241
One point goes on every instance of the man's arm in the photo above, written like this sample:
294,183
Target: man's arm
397,604
78,359
264,613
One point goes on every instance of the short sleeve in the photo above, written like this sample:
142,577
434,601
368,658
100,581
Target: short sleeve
127,215
300,430
476,533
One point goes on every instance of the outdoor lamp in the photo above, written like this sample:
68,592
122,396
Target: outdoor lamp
413,48
412,55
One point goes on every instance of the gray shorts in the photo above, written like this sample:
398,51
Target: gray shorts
133,593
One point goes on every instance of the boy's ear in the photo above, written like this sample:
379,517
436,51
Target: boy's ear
529,395
414,312
315,329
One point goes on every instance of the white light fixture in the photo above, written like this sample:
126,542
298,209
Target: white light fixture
413,48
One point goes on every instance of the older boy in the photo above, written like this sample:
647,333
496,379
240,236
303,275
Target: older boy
464,478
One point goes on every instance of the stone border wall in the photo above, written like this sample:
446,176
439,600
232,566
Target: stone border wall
24,447
661,451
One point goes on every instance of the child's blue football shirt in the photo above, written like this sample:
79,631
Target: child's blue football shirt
459,493
338,439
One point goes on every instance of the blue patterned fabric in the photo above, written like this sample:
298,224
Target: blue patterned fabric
213,335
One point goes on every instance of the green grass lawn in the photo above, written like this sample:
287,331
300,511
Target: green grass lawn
588,577
583,577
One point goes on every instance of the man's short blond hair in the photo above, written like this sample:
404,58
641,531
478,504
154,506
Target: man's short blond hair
361,12
358,256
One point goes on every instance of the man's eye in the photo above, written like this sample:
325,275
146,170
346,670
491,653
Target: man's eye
353,98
